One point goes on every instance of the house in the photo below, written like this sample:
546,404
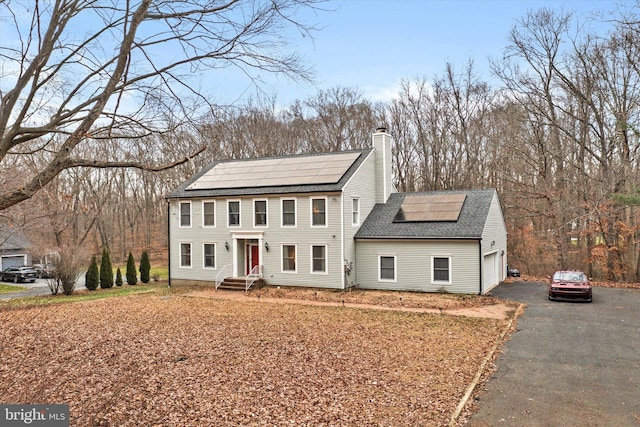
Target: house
14,247
332,220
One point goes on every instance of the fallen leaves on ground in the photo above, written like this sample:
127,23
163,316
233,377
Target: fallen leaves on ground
384,298
174,360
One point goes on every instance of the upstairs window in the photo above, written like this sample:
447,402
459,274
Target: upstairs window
318,212
209,214
185,214
260,213
288,212
355,211
233,207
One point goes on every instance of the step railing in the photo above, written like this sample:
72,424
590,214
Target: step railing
221,275
254,274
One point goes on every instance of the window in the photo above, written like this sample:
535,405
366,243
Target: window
289,258
260,213
288,212
209,251
441,271
387,268
209,214
318,259
318,212
233,207
185,254
355,211
185,214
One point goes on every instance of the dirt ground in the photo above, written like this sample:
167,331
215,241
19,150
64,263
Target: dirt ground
205,358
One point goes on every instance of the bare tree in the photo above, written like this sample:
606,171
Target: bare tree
77,71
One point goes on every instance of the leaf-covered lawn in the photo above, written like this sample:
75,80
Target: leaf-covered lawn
183,361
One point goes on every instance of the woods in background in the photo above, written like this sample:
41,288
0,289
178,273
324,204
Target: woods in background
555,131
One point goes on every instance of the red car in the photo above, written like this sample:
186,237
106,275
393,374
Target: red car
570,286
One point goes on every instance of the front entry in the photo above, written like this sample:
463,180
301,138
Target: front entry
252,254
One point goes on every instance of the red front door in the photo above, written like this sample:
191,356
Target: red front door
252,257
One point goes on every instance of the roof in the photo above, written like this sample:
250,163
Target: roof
12,238
350,161
469,225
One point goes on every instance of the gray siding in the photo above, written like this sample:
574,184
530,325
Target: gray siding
494,243
414,265
303,235
362,186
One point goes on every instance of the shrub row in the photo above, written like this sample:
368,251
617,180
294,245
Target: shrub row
103,276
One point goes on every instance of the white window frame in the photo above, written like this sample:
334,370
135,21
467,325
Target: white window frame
355,214
204,256
282,270
239,213
440,282
180,225
180,245
215,216
326,263
295,212
326,212
395,268
266,213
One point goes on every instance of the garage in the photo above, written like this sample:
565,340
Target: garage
491,269
12,261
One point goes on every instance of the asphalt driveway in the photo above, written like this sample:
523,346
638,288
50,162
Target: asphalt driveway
567,364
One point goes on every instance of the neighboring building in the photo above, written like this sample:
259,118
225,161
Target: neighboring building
13,247
333,220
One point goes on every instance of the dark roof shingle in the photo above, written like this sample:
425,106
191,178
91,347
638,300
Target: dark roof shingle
470,224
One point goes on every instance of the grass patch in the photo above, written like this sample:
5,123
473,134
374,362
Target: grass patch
82,296
156,273
6,289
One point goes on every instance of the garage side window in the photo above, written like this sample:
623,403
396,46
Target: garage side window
441,269
387,268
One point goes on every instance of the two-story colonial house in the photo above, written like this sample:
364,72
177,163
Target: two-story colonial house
332,220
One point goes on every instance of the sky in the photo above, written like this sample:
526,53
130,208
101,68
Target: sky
372,45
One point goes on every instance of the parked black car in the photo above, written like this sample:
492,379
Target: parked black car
19,274
513,272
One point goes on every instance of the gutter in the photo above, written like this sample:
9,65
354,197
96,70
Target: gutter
168,243
481,262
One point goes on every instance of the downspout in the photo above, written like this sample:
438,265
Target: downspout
481,262
168,243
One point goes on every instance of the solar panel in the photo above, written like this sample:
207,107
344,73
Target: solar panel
428,208
320,169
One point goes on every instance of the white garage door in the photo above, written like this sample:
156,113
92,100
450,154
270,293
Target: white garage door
490,272
11,261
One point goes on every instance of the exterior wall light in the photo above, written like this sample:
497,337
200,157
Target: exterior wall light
266,246
226,245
